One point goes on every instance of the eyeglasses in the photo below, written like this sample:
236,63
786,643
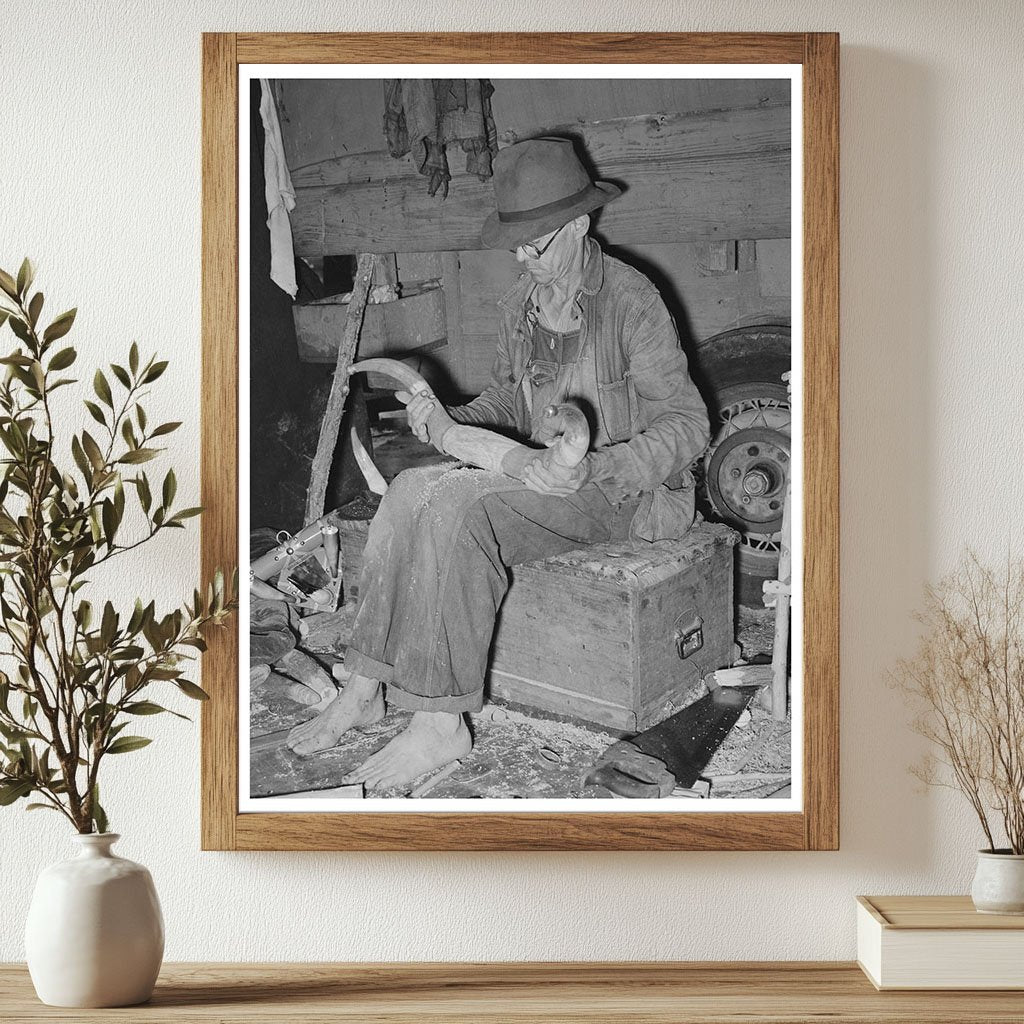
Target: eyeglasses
532,250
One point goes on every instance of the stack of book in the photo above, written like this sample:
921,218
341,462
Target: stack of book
938,942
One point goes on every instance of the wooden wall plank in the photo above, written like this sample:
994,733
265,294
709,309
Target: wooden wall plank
686,177
452,285
613,144
322,117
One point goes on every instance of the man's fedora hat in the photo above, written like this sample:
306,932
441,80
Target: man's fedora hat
540,185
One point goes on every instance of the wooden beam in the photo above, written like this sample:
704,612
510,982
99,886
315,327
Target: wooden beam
686,177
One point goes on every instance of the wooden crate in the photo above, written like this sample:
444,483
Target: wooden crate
593,633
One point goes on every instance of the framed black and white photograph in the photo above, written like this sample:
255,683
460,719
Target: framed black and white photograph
536,438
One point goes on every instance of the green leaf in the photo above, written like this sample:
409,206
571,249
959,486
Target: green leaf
145,497
191,690
185,513
144,707
125,744
92,449
102,388
81,461
165,428
128,433
26,273
41,807
20,328
108,626
130,653
109,521
154,371
34,308
140,415
121,374
95,412
8,284
60,326
15,790
133,358
4,314
84,614
163,673
170,487
137,617
139,455
99,816
63,359
119,499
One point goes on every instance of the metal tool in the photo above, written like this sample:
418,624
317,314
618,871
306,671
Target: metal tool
672,753
318,540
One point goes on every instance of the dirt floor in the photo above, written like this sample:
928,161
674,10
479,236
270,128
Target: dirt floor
516,754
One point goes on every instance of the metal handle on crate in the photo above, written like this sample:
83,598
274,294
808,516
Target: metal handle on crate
689,637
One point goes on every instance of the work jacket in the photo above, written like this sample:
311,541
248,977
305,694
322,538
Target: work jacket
651,422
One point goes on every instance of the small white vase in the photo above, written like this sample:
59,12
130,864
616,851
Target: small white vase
95,933
999,882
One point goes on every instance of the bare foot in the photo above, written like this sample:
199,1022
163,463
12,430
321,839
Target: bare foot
431,740
359,703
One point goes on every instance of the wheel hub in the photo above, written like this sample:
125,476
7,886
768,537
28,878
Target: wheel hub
746,478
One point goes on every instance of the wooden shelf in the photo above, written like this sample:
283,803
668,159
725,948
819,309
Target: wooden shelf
658,993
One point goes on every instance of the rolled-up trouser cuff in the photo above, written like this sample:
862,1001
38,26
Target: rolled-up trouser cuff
455,705
363,665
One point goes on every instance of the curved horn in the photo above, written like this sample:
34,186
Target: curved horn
573,439
482,447
402,372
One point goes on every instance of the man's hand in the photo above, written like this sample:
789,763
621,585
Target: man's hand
427,417
418,408
554,479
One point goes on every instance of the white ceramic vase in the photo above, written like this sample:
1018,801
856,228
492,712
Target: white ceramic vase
999,882
95,933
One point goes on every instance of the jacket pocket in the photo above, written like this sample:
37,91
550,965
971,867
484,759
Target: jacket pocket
617,408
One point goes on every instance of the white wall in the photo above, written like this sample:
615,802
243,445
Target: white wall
99,182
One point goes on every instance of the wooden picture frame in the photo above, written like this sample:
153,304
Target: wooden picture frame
816,826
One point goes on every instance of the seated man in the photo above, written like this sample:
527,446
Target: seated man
578,326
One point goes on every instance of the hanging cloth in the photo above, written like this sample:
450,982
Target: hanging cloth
280,195
423,116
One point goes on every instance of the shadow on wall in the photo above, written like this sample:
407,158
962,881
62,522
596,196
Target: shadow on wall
888,271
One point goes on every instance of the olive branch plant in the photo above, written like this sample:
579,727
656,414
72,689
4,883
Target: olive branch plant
967,681
79,674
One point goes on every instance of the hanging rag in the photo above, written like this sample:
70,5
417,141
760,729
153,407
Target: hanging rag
426,115
280,195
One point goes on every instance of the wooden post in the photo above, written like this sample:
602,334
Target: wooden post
331,423
780,645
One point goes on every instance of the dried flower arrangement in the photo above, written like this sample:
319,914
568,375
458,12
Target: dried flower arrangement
967,679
